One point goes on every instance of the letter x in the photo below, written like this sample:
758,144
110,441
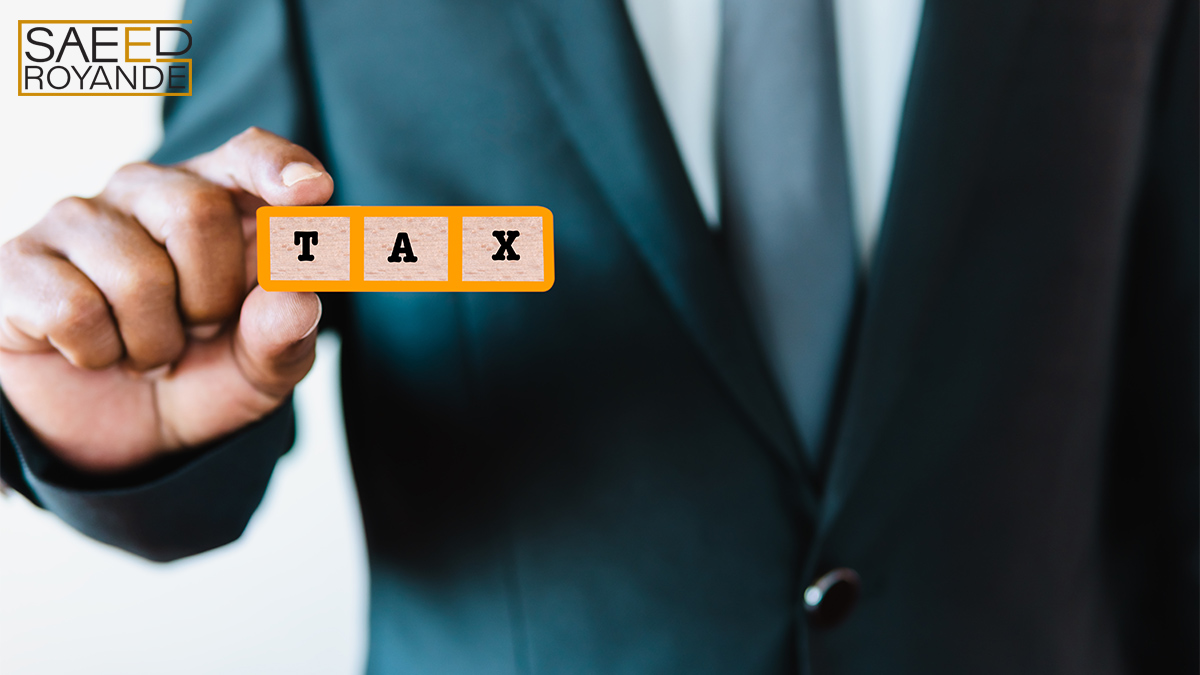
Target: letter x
506,244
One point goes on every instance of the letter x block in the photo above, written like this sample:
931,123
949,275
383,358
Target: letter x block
502,249
403,248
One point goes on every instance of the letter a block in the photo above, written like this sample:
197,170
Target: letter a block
406,238
405,248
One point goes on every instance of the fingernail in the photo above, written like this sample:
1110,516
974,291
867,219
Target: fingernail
156,373
320,311
297,171
205,331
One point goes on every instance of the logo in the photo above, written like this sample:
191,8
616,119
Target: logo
103,58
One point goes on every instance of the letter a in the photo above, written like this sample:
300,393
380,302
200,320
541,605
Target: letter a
403,245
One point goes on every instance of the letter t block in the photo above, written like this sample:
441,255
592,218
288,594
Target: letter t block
328,252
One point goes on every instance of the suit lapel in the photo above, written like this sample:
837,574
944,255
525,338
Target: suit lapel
964,56
586,56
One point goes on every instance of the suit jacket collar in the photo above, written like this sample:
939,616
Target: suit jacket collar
587,59
589,63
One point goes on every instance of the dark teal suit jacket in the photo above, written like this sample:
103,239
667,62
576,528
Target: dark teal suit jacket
602,479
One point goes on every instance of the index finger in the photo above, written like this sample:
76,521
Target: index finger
272,168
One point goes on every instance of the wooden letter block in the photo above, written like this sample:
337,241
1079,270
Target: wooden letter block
405,248
307,249
421,247
502,249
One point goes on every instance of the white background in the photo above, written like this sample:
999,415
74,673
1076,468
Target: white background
290,596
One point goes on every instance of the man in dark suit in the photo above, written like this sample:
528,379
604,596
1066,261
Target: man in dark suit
611,477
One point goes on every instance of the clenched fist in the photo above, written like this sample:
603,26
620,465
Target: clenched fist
131,323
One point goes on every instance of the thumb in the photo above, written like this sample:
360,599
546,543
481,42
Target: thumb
276,339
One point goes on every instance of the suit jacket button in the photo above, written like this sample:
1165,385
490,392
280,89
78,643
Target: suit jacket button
830,599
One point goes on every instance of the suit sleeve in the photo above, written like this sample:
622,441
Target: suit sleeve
175,507
1154,493
248,70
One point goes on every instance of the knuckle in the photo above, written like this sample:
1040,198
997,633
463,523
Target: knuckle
250,136
81,313
14,253
73,209
13,250
202,206
130,172
150,280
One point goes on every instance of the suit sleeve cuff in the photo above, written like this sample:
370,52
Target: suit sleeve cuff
180,505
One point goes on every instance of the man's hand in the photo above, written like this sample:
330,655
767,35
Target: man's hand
131,323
